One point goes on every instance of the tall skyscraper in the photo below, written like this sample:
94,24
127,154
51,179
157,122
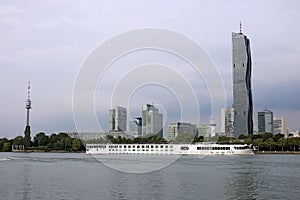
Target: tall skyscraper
152,121
117,119
265,121
242,94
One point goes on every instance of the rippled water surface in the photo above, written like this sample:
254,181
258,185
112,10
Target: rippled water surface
80,176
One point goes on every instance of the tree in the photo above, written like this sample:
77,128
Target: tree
65,143
258,143
270,143
292,143
5,145
27,138
266,136
282,142
19,140
184,137
41,139
76,144
242,136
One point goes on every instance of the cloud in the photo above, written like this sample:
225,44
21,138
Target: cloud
47,24
10,10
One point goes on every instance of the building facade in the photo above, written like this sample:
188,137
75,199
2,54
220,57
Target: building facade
242,93
227,122
152,121
280,126
117,119
176,128
135,127
265,121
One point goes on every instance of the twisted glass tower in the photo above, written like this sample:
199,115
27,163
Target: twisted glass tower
242,94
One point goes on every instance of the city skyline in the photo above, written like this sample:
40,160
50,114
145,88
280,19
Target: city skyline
47,42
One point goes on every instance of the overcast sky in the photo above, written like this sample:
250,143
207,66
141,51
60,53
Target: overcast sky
47,42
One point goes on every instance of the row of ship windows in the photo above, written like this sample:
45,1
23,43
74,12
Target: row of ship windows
206,148
137,150
139,146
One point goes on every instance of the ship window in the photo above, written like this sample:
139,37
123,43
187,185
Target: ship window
161,146
166,146
234,65
138,146
129,146
244,112
243,64
120,146
151,146
143,146
124,146
147,146
184,148
198,148
156,146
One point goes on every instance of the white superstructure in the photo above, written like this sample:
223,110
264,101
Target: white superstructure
171,149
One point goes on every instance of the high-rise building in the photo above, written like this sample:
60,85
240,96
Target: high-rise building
227,120
242,94
135,127
279,126
117,119
176,128
203,130
212,128
265,121
152,121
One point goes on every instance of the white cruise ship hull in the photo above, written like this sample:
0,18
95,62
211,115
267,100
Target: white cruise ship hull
169,149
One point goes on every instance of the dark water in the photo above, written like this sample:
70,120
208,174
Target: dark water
80,176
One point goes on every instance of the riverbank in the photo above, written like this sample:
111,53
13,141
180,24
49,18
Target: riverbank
277,152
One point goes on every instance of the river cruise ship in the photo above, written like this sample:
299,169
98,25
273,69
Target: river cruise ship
170,149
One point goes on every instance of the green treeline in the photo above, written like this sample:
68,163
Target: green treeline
43,142
265,142
149,140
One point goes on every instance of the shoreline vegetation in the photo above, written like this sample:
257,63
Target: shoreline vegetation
264,143
59,143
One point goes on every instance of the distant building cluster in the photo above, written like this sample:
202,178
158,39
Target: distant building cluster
265,123
151,122
235,121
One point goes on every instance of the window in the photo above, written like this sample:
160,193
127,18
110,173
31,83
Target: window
184,148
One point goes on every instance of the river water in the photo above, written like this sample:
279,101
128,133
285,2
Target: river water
80,176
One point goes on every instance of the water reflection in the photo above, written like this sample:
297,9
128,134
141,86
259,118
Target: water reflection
136,186
244,180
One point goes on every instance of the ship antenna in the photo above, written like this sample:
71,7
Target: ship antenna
240,26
